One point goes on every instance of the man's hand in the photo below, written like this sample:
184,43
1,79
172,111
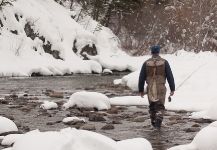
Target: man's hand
142,94
172,93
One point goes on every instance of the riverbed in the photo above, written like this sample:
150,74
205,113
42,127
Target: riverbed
21,98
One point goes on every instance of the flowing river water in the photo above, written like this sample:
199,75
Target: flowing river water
21,98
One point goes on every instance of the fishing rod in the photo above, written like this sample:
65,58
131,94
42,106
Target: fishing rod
188,77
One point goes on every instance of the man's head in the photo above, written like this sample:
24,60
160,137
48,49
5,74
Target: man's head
155,50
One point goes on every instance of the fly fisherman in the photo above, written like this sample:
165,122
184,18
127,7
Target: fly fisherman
154,72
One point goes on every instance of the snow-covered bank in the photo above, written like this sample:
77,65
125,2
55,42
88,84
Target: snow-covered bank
195,81
40,36
70,138
204,140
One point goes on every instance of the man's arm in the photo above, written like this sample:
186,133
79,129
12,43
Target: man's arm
142,78
170,78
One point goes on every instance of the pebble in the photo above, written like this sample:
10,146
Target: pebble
108,127
196,125
113,110
96,117
139,119
88,127
192,129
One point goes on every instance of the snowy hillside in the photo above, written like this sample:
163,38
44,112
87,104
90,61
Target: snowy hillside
41,36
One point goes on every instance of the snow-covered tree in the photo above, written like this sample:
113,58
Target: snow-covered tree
5,2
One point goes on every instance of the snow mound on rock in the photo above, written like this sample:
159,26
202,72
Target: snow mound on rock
136,144
49,105
71,119
6,125
88,100
204,140
69,139
10,139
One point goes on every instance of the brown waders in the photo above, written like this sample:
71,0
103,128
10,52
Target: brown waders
156,89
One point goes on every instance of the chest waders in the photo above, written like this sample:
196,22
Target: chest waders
156,89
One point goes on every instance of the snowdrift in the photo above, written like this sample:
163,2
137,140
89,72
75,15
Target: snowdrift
69,139
41,37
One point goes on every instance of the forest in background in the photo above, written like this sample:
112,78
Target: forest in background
174,24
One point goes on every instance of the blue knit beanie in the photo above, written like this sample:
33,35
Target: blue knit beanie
155,49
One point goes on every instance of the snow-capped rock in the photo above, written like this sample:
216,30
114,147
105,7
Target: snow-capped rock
49,105
88,100
6,125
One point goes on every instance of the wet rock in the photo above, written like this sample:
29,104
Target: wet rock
126,116
25,109
15,106
60,103
139,119
203,121
86,109
3,101
116,122
142,107
113,110
13,96
171,122
122,108
74,122
181,121
25,94
196,125
111,94
96,117
11,132
192,129
89,88
50,123
25,128
34,98
18,124
88,127
32,105
55,94
175,117
182,111
108,127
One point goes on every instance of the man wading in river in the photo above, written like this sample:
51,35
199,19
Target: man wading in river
154,72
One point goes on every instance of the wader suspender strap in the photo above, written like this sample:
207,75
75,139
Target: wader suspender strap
154,76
